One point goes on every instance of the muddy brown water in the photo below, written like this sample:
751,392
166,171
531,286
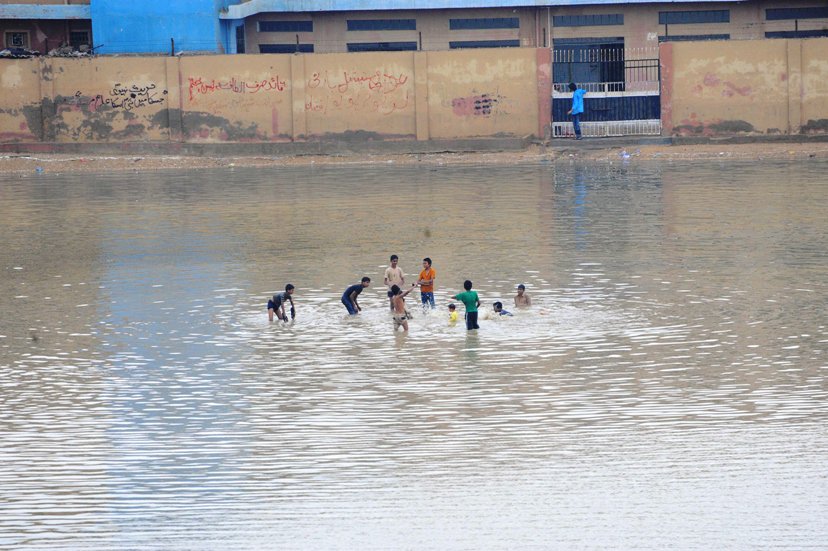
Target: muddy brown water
666,390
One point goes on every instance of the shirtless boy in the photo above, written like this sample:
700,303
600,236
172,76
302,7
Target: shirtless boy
522,300
393,276
398,302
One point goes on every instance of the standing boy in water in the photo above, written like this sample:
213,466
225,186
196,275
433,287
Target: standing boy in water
471,301
522,300
276,305
398,304
577,108
393,276
426,283
349,297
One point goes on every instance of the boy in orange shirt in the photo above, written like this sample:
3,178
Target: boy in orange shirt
426,283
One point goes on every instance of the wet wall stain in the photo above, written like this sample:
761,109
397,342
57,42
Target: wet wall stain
734,126
818,126
698,128
203,125
99,123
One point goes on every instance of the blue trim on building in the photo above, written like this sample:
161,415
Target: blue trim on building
44,11
241,10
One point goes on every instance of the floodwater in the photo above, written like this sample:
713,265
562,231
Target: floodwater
666,391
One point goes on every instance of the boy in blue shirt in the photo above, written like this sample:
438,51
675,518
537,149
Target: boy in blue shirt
349,297
276,305
577,108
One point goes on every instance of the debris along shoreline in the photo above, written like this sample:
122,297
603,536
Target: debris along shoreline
58,163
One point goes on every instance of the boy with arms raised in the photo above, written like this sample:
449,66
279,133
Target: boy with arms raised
401,315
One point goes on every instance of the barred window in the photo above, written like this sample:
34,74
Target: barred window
17,39
776,14
588,20
285,48
381,46
693,17
691,37
382,24
459,44
484,23
285,26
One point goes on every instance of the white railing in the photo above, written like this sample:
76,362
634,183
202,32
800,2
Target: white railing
649,127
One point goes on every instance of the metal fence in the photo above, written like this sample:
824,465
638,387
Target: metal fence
608,69
623,88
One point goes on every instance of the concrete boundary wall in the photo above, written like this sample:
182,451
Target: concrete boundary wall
277,98
745,87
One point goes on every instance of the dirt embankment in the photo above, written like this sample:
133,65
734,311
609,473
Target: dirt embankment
53,163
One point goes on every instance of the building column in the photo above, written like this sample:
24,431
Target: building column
794,62
175,108
421,96
543,72
665,55
297,94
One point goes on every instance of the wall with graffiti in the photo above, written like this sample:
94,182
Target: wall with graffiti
474,95
745,87
273,98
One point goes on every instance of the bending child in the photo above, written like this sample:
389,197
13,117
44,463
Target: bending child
276,305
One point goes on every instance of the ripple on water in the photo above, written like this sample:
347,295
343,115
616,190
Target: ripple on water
666,389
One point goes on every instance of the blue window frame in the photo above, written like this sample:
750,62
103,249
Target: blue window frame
382,24
285,26
690,37
588,20
484,23
458,44
381,46
285,48
816,33
693,17
776,14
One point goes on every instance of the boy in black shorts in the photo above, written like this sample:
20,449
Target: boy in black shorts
276,305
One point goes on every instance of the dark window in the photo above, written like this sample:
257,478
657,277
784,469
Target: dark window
485,23
78,38
588,20
776,14
691,37
797,34
285,48
285,26
382,24
692,17
240,39
458,44
17,39
381,46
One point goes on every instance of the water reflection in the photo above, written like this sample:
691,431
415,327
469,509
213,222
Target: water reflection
669,375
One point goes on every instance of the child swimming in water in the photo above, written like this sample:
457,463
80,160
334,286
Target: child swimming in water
452,313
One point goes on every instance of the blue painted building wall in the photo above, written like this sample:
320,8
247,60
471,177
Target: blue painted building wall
147,26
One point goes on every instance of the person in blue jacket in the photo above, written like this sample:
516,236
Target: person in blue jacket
577,108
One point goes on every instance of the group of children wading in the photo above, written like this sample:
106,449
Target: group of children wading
394,280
